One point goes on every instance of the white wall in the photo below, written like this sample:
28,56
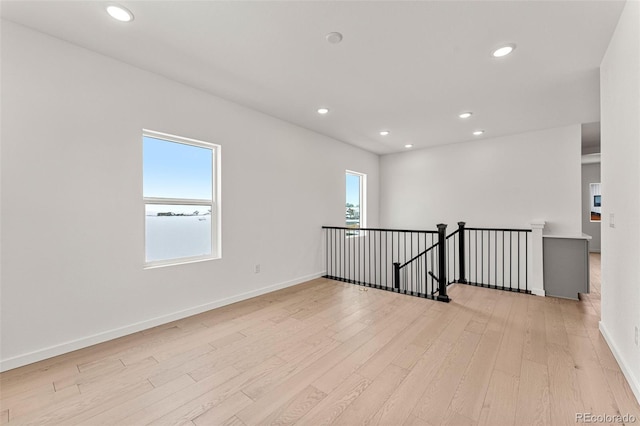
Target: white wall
501,182
620,109
72,211
590,174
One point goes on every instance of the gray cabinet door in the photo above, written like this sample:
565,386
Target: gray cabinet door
566,267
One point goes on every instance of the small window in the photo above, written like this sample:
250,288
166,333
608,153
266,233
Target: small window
596,202
355,201
181,180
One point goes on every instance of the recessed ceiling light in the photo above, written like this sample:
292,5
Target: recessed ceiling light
478,132
503,50
334,37
384,132
323,110
465,115
120,13
408,145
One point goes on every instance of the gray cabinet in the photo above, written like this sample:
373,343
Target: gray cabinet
566,265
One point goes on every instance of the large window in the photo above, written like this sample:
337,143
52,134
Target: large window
355,201
181,180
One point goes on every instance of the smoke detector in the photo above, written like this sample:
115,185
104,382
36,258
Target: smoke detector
334,37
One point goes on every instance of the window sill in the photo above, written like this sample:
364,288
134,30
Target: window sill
362,234
183,261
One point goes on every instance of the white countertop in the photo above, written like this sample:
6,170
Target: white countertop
570,236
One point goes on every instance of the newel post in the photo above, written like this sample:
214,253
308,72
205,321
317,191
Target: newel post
462,268
442,263
537,267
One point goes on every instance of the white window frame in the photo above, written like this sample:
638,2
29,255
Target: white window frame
363,199
595,189
214,202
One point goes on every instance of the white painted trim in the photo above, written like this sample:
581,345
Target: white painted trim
215,202
179,261
179,139
178,201
536,255
363,196
51,351
591,158
633,381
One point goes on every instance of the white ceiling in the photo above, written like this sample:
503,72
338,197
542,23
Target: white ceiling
410,67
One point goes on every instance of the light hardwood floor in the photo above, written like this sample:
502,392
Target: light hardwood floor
331,353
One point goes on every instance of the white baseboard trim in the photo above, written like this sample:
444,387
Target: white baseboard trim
538,292
634,383
62,348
